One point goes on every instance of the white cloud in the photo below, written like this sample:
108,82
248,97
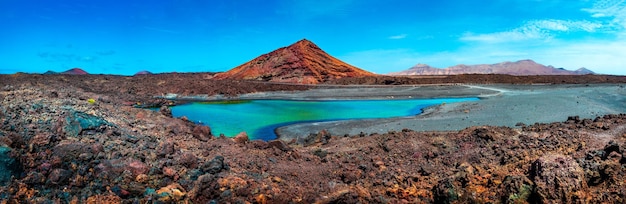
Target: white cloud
556,25
615,10
398,37
507,36
534,30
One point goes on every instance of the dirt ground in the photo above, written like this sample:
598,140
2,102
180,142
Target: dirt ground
82,139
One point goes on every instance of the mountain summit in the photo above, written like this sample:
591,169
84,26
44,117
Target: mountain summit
302,62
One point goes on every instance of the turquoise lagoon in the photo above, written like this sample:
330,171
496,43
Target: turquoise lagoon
259,118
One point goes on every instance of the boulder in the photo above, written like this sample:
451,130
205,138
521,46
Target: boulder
59,176
201,132
214,166
75,122
9,167
279,144
558,179
241,138
166,111
515,189
446,191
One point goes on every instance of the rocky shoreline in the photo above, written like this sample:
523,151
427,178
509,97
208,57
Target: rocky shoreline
80,140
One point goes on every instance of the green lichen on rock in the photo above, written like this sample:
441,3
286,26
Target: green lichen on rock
516,189
77,122
446,191
522,196
8,165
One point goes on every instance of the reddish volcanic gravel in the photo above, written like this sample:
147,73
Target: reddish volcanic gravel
142,89
57,146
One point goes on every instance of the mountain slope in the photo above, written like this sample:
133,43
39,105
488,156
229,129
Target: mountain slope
522,67
302,62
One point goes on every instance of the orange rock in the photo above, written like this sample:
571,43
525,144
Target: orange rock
26,192
169,171
277,179
363,193
104,199
262,199
242,137
141,178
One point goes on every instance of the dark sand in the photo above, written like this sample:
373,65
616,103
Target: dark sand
501,105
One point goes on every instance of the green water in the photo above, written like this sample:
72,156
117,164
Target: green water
259,118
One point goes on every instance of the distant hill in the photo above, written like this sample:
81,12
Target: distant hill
73,71
583,71
522,67
302,62
144,72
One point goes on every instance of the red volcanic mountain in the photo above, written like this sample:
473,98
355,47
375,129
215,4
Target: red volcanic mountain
75,71
522,67
302,62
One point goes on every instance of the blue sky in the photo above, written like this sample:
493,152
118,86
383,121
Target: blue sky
124,37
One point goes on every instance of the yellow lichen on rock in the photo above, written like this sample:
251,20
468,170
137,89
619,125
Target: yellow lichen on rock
104,199
172,192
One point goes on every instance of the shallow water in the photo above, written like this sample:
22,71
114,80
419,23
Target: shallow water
259,118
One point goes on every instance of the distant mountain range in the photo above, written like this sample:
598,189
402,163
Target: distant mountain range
302,62
305,63
79,71
73,71
522,67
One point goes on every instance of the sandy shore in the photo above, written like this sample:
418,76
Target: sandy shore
501,105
